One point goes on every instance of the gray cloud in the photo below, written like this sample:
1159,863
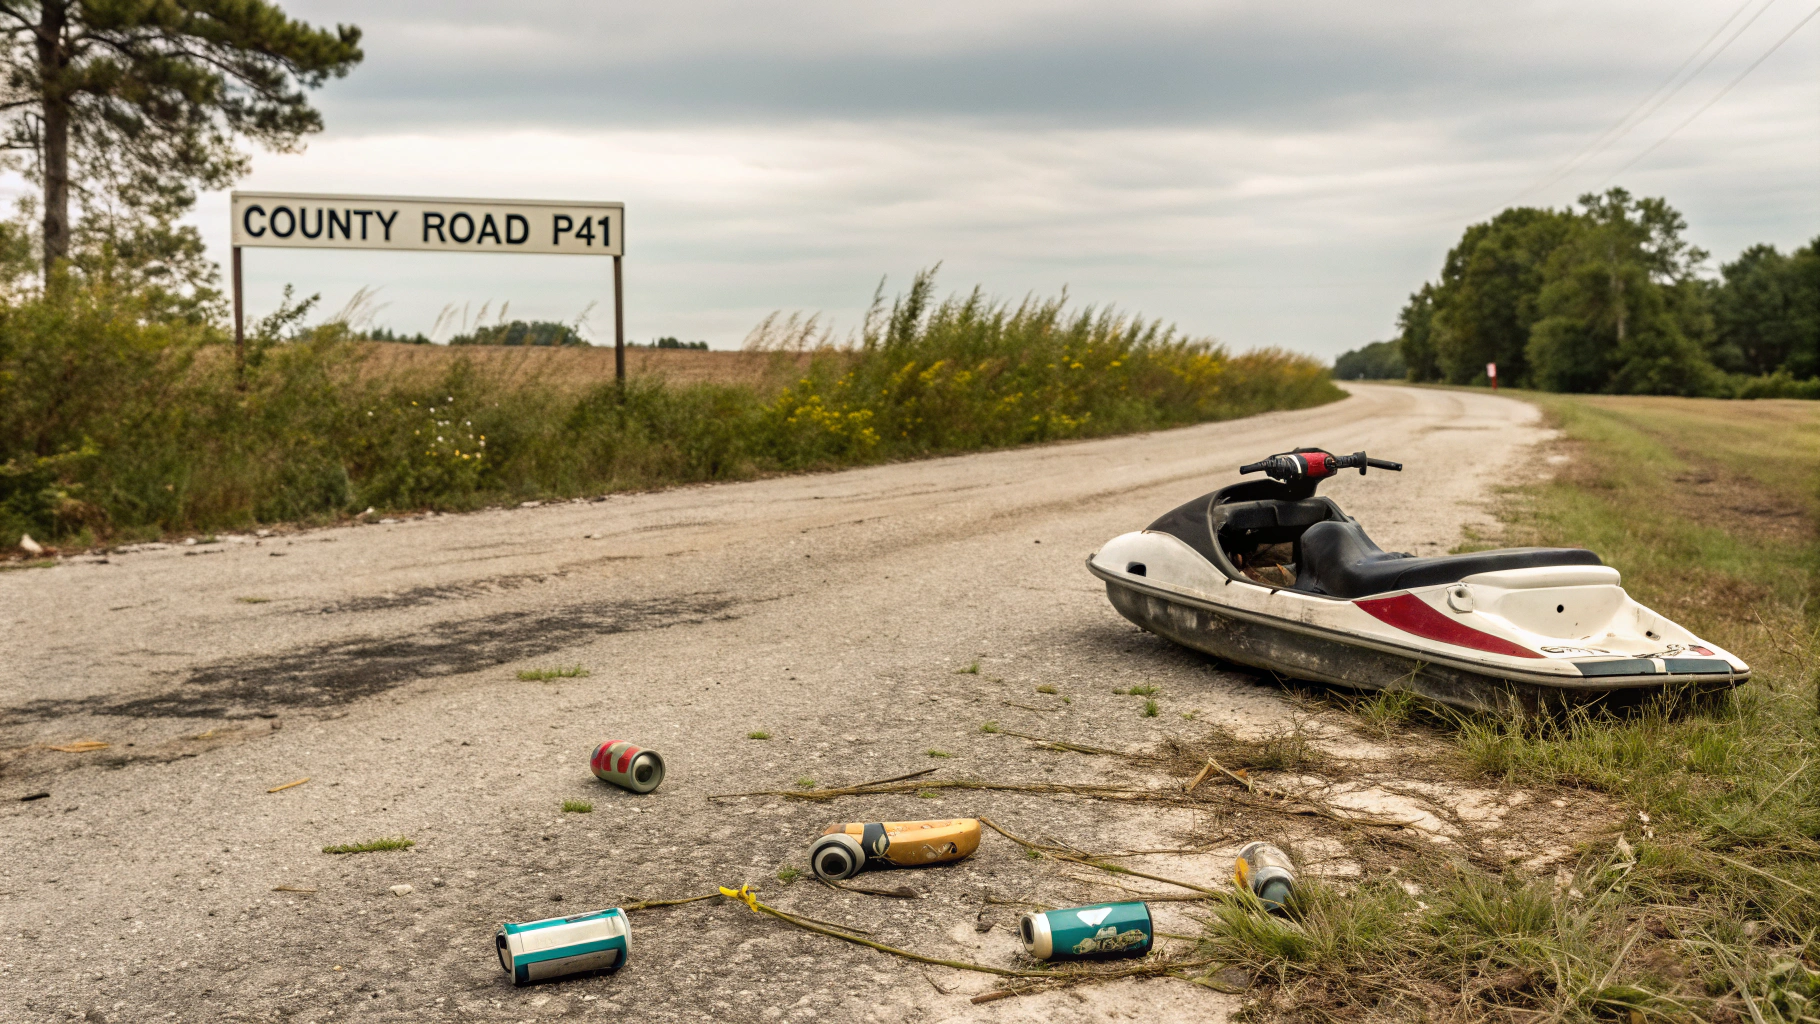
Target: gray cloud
1267,173
576,65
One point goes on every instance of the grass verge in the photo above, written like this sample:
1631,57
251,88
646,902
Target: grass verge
115,426
1703,902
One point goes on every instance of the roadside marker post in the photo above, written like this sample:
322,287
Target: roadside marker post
428,224
1491,370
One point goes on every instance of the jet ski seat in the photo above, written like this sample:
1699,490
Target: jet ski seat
1338,560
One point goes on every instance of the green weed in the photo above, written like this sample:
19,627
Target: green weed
1141,691
932,752
758,734
577,807
805,783
928,794
1045,688
988,727
788,874
371,846
1150,709
39,563
970,670
538,675
1386,711
254,600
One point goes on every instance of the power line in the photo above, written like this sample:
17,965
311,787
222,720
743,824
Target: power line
1786,36
1586,150
1622,129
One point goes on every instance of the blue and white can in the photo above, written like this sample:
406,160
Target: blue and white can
540,950
1101,931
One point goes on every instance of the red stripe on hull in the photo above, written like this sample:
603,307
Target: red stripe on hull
1411,614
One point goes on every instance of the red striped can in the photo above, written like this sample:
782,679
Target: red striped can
628,766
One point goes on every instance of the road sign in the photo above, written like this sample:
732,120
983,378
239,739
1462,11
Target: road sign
1491,371
310,220
303,220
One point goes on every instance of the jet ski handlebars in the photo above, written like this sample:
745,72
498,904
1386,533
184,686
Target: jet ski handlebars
1311,464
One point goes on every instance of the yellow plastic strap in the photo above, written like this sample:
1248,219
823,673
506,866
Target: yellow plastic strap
743,893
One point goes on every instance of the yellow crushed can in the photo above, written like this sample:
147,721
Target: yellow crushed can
844,848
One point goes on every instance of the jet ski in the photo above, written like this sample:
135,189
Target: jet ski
1267,573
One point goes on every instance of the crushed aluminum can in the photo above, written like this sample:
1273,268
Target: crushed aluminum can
561,946
1267,872
627,766
1102,931
843,849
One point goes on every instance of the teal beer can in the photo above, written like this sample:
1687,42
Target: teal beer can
1099,932
540,950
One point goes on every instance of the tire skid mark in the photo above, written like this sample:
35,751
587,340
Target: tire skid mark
336,672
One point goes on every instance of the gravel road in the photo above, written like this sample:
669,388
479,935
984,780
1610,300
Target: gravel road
863,620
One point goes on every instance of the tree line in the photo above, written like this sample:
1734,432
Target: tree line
1608,296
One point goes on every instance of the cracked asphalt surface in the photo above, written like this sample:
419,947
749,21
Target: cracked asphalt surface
839,613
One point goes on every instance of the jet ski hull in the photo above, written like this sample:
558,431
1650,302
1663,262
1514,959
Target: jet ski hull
1307,650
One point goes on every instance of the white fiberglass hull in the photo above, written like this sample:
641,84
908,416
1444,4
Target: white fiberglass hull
1536,638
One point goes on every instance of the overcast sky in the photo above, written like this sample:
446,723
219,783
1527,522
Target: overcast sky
1263,173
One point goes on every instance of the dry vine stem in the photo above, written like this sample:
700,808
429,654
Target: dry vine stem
1305,804
1078,748
1149,970
744,894
893,786
648,904
900,893
1059,854
1075,976
857,789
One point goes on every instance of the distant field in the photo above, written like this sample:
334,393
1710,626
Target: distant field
574,368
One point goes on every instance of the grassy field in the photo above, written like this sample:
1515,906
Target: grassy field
1704,904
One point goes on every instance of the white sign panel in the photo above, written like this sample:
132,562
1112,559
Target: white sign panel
299,220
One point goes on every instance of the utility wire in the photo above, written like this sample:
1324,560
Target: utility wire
1786,36
1586,150
1621,129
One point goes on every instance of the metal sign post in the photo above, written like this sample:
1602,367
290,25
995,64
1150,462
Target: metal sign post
305,220
239,326
619,324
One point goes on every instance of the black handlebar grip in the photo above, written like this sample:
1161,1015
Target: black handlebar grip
1255,467
1384,464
